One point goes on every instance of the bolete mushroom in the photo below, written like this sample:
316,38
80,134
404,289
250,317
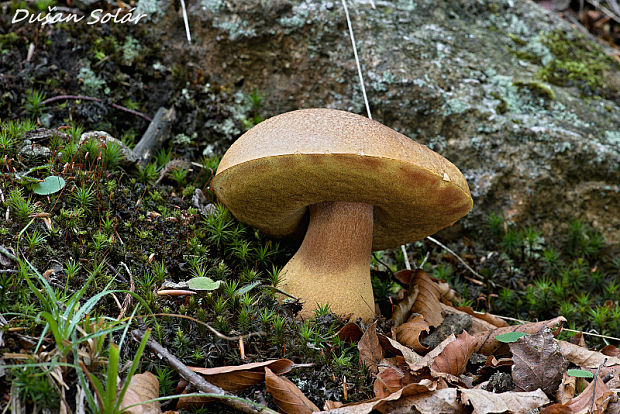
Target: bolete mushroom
352,183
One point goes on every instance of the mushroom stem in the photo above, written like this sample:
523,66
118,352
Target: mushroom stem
332,266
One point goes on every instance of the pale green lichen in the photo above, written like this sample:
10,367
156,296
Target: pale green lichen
91,83
153,9
455,106
131,50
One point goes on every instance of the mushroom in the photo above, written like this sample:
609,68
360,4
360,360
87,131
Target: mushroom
353,184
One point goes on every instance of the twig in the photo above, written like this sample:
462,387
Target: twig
156,133
594,385
90,98
446,248
8,254
209,327
384,265
199,382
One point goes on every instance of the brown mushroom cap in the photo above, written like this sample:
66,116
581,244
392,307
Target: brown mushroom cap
273,172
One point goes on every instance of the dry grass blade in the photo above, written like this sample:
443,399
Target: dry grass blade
287,396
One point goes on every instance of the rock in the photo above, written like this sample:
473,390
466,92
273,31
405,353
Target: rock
487,83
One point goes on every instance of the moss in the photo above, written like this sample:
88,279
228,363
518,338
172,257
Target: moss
577,62
536,87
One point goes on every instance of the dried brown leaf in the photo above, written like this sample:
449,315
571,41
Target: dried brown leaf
488,345
409,332
239,377
589,360
427,302
427,360
350,332
287,396
477,325
611,350
371,351
422,397
487,317
393,375
142,387
566,391
538,362
453,359
402,310
581,404
513,402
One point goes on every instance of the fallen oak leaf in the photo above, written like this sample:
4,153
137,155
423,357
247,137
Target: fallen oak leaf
409,333
513,402
394,374
590,360
487,344
611,350
427,302
566,391
142,387
350,332
453,359
287,396
239,377
234,378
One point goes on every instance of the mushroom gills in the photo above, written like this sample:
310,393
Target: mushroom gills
332,265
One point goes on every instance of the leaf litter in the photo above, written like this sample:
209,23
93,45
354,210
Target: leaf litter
455,375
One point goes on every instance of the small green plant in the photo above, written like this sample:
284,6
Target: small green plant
166,377
33,103
112,155
147,174
274,275
71,268
342,361
34,387
163,157
321,310
84,197
22,207
179,175
34,239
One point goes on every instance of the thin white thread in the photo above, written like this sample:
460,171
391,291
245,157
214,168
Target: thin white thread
186,21
361,77
357,60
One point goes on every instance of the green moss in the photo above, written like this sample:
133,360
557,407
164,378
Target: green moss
577,62
536,87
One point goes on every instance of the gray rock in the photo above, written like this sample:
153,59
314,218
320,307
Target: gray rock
464,77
